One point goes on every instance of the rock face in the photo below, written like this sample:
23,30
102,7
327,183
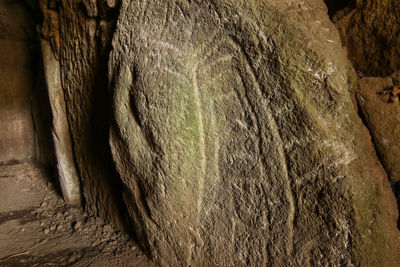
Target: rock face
380,109
60,135
17,134
378,100
371,33
235,135
77,41
66,169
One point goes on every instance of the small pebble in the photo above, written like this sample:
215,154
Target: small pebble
46,231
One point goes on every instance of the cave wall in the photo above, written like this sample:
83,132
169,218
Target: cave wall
17,135
76,34
370,33
370,30
260,158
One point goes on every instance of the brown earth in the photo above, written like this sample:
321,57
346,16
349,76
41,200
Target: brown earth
38,229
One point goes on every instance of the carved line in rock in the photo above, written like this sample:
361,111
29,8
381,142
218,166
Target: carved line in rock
201,141
276,135
261,139
124,75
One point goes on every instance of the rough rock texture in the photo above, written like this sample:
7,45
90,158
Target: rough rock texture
79,42
67,174
379,103
17,134
381,111
371,33
236,136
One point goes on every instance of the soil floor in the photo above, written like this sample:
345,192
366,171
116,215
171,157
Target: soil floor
38,229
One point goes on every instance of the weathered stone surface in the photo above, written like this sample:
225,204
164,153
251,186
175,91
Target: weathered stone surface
91,8
66,169
378,100
79,43
17,134
381,113
370,30
236,136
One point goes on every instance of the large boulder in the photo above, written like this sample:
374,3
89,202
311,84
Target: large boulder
236,137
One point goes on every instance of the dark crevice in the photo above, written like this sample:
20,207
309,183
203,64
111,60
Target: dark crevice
102,118
396,190
336,5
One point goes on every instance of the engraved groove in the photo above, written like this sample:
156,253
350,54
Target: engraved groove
216,142
217,76
279,144
121,96
208,66
206,45
178,4
201,140
165,14
246,104
247,75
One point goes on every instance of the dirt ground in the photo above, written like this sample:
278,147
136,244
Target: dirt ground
38,229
